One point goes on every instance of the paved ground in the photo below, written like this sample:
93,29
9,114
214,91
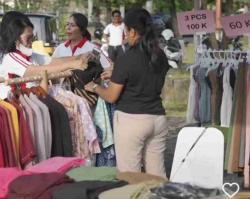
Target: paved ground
174,125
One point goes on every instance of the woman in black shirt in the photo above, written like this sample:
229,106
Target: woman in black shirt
140,127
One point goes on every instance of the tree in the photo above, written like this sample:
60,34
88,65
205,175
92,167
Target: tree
27,5
172,12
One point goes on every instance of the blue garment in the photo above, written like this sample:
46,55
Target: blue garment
107,155
205,96
111,112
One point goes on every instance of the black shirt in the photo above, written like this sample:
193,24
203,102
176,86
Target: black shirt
142,83
61,132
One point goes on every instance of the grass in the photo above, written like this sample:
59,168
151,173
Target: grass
178,74
174,109
173,105
189,54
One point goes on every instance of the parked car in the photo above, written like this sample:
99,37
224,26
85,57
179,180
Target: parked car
45,32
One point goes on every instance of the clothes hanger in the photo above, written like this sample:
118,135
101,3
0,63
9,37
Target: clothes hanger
43,93
38,91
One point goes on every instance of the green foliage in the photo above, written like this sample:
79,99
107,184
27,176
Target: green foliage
62,21
184,5
160,6
128,3
164,6
27,5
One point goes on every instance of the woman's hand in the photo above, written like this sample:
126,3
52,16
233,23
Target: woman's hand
91,86
106,74
81,61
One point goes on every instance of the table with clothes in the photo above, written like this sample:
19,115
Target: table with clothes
66,177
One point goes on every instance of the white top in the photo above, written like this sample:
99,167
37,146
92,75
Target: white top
227,99
64,50
14,63
191,97
116,34
85,46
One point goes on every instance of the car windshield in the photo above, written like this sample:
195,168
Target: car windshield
44,28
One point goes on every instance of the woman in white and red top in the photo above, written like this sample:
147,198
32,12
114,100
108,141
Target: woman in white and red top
17,58
78,40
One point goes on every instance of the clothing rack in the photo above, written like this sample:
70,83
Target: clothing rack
236,55
43,78
225,51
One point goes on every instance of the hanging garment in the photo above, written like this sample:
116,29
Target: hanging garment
227,99
191,98
8,157
27,151
101,118
111,111
14,118
232,121
89,131
247,143
107,155
233,165
80,78
39,129
88,124
29,116
80,148
46,123
61,132
215,80
2,163
197,94
205,96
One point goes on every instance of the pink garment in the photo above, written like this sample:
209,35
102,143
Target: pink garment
57,164
87,138
7,175
76,124
88,124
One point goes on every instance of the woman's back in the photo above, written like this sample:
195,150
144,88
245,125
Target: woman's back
142,83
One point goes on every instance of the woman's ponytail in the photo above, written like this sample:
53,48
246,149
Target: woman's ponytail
141,21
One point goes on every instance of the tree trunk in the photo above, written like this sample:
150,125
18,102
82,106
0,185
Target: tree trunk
172,11
90,9
200,4
149,6
229,7
2,6
122,10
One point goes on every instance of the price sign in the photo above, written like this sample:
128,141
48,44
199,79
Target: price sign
192,22
236,25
